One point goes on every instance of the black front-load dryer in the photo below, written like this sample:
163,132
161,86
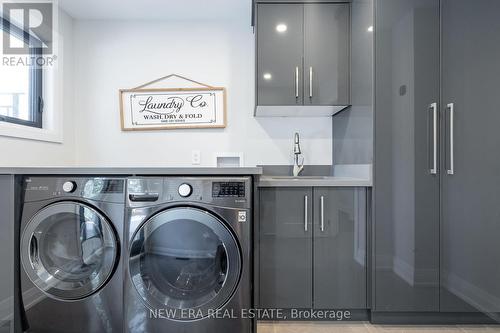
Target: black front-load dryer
70,250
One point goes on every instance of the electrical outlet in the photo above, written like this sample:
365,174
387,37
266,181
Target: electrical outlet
195,157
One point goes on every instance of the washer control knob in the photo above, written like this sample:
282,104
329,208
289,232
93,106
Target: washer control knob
69,187
185,190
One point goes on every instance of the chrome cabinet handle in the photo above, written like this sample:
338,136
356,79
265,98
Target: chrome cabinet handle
451,170
322,204
433,108
297,82
305,213
310,82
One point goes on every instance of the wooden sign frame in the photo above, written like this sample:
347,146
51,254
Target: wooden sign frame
213,98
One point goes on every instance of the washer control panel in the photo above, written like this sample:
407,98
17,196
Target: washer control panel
69,186
91,188
228,189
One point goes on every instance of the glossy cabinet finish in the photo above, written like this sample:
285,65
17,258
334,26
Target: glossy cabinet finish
437,232
280,36
285,248
322,266
326,54
303,54
406,192
339,248
470,233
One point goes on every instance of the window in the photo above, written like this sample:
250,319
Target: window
21,99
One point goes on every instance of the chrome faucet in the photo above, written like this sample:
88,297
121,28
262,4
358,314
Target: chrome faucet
297,166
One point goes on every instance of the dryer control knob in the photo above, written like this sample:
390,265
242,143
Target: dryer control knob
69,187
185,190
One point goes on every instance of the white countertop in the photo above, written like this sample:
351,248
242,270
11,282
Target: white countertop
131,171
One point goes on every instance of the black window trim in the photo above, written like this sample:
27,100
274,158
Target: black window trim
35,78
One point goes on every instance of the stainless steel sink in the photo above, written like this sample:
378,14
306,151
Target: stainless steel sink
276,181
296,178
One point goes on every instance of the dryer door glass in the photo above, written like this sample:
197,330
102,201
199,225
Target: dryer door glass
185,259
69,250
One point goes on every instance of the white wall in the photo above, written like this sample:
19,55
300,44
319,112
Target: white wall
110,55
23,152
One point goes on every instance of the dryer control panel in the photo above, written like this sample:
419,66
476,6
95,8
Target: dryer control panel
233,192
228,189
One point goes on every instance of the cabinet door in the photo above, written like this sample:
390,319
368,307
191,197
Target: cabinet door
406,192
326,70
10,187
470,270
280,36
285,247
339,248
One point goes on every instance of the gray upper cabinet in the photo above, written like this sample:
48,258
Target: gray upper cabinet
280,32
285,248
302,58
406,172
312,248
326,54
470,232
339,248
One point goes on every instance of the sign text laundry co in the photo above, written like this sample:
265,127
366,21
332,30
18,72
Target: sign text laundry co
147,109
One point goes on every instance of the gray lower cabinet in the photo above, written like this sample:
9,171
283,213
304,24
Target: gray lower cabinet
285,247
312,248
339,251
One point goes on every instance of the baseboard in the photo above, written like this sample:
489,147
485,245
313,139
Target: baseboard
341,315
430,318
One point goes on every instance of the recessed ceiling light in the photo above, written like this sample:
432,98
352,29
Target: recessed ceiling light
267,76
281,28
370,28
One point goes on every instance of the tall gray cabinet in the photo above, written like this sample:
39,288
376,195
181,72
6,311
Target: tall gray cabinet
470,224
406,190
437,216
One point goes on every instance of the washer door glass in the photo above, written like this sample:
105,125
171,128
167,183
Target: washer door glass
185,258
69,250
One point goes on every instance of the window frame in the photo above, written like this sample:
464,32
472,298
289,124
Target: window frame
35,78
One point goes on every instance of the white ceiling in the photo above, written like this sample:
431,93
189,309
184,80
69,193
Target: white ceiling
155,9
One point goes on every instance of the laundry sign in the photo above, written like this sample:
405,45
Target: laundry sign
154,109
